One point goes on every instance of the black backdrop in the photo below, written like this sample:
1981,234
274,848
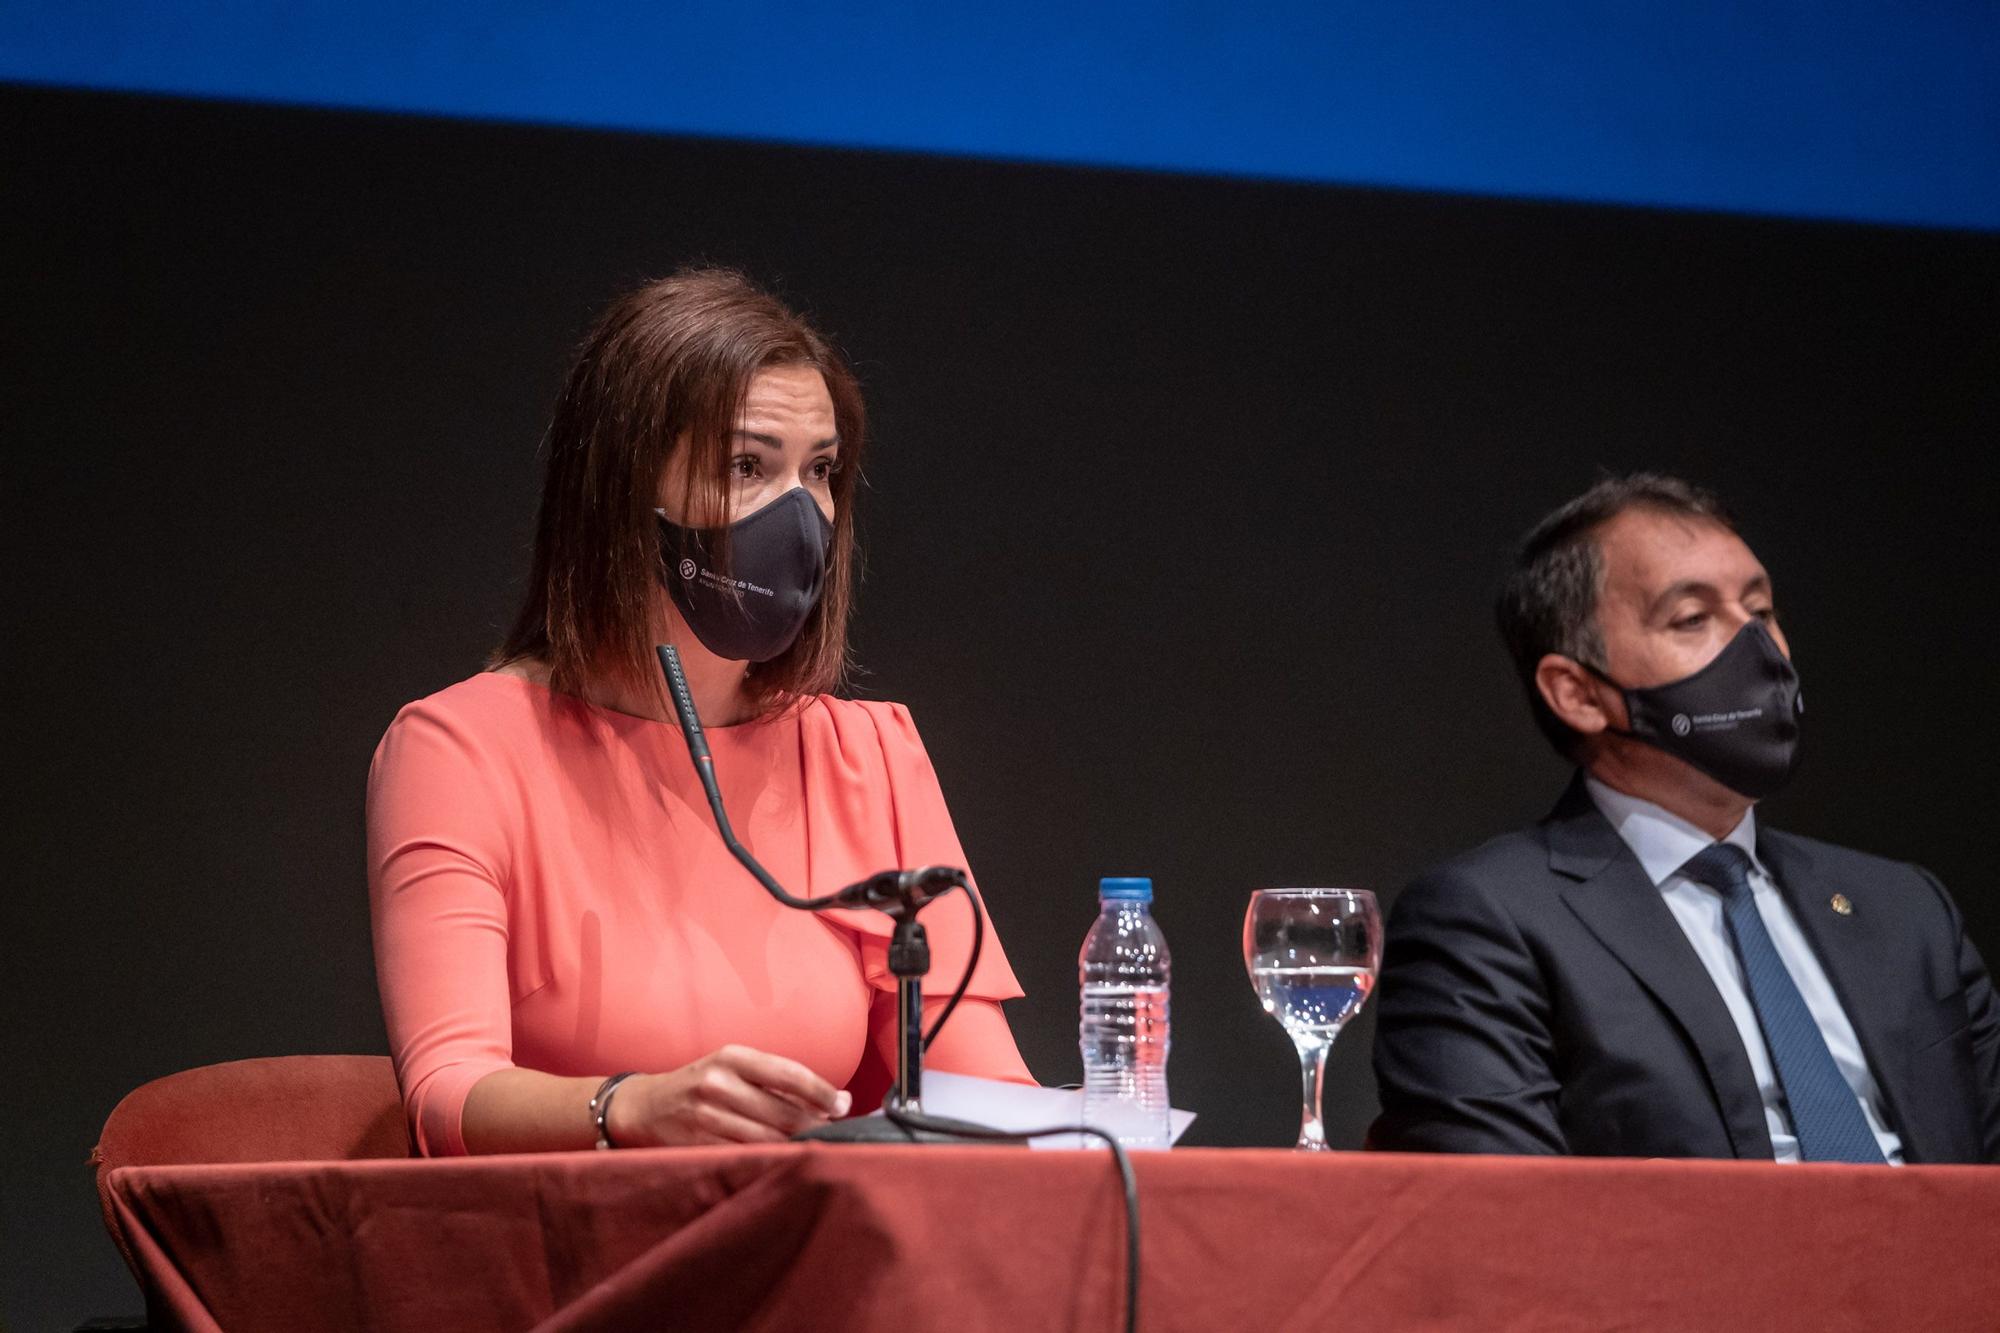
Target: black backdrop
1187,502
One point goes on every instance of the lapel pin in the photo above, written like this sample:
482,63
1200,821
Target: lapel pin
1842,905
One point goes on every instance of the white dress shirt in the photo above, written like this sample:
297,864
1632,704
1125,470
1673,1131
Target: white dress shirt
1664,842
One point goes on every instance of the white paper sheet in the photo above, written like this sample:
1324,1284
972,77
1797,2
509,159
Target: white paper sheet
1014,1106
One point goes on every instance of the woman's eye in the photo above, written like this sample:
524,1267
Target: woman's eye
824,468
743,467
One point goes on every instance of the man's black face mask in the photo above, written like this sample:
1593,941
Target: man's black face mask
1736,719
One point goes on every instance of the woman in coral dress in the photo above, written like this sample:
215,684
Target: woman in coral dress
552,905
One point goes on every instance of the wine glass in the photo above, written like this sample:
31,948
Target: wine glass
1312,955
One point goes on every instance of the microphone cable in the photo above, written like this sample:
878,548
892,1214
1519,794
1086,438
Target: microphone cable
909,1122
704,767
971,962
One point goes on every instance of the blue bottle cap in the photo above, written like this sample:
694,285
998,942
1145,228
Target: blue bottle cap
1130,889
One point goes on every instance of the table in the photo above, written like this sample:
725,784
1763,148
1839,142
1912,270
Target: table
974,1238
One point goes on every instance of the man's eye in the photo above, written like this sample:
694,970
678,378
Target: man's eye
1695,621
1767,614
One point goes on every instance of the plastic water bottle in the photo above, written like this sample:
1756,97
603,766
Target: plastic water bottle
1124,969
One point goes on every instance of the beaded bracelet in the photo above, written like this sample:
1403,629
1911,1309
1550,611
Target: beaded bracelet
600,1106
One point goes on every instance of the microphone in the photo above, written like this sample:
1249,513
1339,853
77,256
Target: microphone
891,891
901,894
887,890
704,767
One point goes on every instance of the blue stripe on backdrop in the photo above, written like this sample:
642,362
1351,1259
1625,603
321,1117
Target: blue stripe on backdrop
1875,110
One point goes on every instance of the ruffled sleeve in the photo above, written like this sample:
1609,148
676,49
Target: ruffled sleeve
873,803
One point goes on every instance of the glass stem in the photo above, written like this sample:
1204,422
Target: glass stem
1312,1065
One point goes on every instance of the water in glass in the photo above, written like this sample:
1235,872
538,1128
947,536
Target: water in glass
1312,955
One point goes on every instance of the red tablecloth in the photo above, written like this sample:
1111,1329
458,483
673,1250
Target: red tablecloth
995,1238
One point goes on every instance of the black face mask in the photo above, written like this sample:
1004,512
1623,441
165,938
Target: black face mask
1736,719
777,569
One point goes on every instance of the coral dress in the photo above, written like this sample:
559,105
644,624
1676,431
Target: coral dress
549,892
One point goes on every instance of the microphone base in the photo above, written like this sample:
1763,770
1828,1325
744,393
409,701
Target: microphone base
881,1129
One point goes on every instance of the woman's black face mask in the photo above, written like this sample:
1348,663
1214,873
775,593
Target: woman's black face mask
1736,719
777,569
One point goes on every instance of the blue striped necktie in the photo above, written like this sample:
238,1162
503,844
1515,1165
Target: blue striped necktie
1826,1115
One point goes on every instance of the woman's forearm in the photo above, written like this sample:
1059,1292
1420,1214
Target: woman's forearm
524,1110
731,1095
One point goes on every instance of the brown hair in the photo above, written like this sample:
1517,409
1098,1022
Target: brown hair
666,364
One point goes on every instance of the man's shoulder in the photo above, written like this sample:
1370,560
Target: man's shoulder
1878,889
1871,882
1523,873
1816,855
1518,854
1509,873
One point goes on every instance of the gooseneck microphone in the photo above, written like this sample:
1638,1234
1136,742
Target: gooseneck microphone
899,893
883,891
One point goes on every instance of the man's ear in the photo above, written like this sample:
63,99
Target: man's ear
1574,695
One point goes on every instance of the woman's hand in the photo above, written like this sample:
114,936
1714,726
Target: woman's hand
733,1095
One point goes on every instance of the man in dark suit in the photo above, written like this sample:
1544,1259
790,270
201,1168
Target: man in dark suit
1648,972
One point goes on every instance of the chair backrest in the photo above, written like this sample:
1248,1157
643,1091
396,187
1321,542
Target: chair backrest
291,1108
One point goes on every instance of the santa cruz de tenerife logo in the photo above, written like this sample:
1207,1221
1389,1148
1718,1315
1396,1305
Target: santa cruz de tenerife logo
1682,724
688,570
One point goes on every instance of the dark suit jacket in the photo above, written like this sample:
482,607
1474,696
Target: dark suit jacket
1538,996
